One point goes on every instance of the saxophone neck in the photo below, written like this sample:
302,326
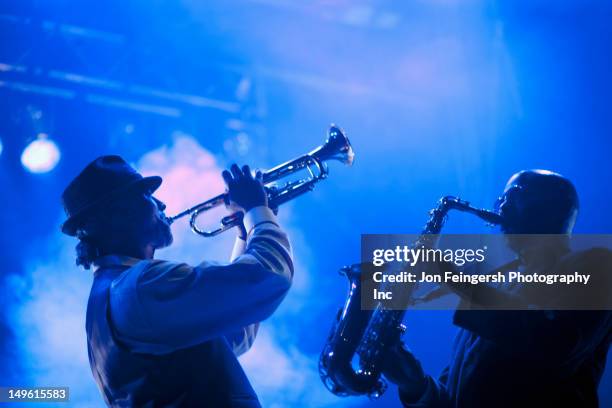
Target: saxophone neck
448,203
445,204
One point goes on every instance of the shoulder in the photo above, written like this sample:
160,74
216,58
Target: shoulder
148,272
134,292
147,280
596,263
598,257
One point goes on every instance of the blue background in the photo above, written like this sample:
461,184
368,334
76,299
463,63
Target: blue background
438,97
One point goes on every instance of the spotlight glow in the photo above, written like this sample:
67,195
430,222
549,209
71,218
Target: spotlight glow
40,156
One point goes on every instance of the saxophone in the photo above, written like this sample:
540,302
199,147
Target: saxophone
365,334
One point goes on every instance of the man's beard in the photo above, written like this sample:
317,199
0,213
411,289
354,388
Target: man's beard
162,234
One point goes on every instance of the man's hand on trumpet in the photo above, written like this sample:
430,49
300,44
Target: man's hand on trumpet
244,191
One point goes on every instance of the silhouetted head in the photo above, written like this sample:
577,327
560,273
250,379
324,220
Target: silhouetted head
111,210
538,202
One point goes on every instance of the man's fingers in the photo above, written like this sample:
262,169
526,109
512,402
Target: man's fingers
227,177
246,170
259,176
392,357
408,357
236,171
403,348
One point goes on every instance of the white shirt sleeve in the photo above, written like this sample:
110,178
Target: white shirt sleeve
241,340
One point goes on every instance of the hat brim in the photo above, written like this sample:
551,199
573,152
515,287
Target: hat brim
150,184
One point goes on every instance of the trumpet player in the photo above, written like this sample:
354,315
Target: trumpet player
533,358
163,333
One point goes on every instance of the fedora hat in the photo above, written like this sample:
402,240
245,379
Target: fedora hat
102,179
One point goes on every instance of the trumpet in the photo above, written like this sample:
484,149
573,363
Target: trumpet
337,147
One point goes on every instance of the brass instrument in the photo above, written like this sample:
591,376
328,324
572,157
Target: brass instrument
336,147
363,335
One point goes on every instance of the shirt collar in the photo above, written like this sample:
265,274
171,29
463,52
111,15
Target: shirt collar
114,261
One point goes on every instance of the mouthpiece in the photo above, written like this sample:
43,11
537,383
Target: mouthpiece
490,217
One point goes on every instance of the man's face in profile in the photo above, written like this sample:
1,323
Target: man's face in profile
508,206
143,219
160,232
511,206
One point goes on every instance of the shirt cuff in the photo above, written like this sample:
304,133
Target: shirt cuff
258,215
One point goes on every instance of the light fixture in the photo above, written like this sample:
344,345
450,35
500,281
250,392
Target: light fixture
41,155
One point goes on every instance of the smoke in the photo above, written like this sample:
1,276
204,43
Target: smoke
49,314
48,320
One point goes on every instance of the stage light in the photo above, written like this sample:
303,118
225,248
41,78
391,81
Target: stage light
41,155
1,147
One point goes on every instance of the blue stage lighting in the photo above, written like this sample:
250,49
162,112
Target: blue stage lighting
40,156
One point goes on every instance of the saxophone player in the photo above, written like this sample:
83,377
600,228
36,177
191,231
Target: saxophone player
531,358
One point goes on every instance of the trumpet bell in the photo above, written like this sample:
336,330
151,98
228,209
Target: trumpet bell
336,147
